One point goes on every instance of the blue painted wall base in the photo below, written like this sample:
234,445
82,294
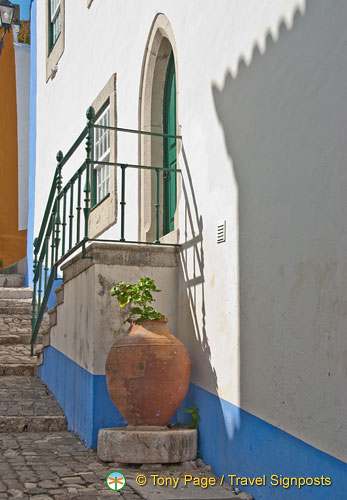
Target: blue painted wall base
235,442
230,439
83,396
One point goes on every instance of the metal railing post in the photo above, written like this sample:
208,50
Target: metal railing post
90,117
157,207
57,223
122,204
33,302
78,209
59,182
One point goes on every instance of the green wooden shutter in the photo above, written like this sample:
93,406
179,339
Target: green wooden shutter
169,153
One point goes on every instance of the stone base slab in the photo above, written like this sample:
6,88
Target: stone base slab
142,445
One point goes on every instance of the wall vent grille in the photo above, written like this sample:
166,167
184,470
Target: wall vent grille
221,231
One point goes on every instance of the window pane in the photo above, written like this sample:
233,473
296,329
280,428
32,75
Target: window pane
56,27
102,136
101,153
55,8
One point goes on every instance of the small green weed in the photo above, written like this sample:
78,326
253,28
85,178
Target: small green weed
195,417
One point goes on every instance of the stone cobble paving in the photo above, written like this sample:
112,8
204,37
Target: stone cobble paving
57,466
27,405
27,396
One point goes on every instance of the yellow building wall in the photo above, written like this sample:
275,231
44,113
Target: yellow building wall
12,241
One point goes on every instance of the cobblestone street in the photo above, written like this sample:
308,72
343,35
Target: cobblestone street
56,465
53,465
27,405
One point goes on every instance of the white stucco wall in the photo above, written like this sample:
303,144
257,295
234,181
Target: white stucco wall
261,105
22,61
90,320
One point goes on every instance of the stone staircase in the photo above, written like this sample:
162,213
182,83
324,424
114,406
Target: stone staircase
15,311
25,402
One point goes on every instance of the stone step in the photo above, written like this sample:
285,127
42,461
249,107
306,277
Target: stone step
11,280
16,293
19,324
26,370
19,338
15,306
16,324
32,424
25,338
15,359
7,338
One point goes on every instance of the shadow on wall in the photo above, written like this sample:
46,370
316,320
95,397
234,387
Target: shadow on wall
191,305
284,119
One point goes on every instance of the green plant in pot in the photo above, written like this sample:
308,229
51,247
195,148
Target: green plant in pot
147,370
139,294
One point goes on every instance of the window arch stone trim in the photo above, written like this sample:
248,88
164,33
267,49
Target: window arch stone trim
160,43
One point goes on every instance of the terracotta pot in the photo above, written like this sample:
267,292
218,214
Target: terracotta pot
147,373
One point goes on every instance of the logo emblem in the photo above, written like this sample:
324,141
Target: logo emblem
116,481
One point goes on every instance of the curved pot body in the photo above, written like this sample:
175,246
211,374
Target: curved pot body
147,373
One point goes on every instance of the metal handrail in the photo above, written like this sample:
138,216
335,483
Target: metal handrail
67,211
140,132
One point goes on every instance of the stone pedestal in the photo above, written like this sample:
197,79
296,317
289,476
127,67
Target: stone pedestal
147,445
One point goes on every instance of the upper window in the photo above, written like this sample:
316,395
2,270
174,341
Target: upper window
55,21
102,150
55,35
103,212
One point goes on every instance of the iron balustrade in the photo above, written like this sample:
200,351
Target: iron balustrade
64,228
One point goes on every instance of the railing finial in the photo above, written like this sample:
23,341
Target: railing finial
90,114
59,156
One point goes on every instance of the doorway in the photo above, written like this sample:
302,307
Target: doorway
169,148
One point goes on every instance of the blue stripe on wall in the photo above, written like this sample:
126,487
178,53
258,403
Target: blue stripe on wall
32,142
83,396
230,439
235,442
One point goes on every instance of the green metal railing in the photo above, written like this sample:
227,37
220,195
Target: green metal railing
64,227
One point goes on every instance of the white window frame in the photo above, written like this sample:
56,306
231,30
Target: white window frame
55,9
103,214
102,141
